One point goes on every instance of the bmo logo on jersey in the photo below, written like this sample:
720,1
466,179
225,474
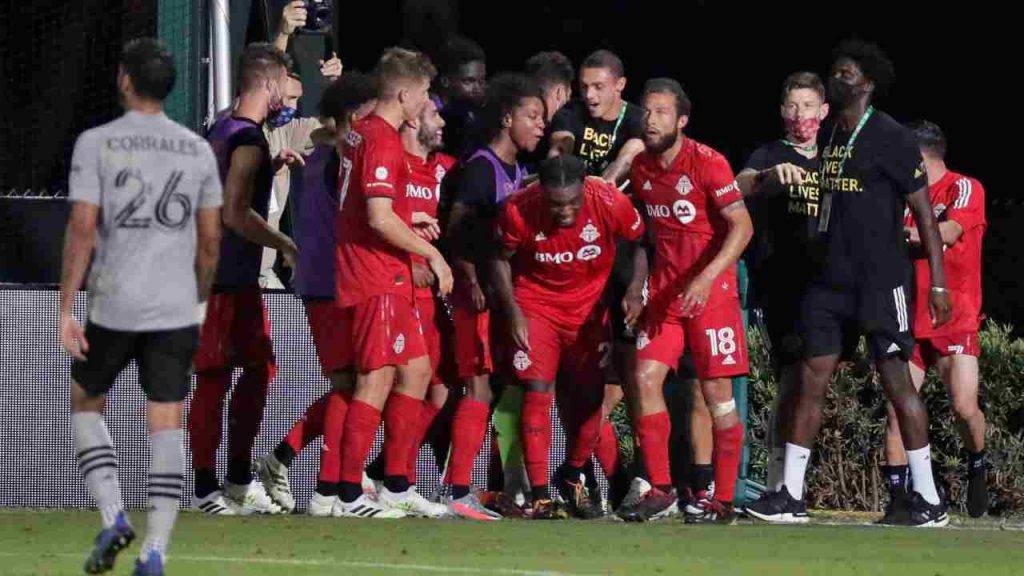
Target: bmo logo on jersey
419,192
555,257
684,211
658,211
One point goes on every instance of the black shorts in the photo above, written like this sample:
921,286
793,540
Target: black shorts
164,358
882,315
781,313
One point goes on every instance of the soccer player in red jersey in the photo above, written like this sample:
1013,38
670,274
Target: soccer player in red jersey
375,287
236,332
699,226
558,242
959,205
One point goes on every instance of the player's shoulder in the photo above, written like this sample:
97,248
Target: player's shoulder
600,191
701,152
445,161
963,186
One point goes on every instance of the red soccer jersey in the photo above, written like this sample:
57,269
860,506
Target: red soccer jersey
374,166
561,272
424,191
960,199
683,204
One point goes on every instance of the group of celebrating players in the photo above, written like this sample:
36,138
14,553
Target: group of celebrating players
560,251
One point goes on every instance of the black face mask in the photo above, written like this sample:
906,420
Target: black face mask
842,93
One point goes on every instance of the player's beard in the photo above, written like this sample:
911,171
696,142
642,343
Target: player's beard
432,141
664,143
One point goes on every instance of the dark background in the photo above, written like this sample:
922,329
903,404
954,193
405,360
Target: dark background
953,67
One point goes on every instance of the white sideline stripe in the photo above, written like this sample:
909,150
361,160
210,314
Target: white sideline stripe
332,562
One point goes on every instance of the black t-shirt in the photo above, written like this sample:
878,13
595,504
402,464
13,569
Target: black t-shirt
477,187
597,141
864,244
785,220
462,133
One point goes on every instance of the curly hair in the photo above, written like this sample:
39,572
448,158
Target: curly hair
871,60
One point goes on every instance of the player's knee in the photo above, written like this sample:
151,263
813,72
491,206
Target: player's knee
648,382
965,406
437,396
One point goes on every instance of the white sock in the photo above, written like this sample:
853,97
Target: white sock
166,480
97,462
776,462
920,462
794,469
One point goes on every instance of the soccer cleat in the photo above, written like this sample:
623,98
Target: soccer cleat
637,488
921,514
977,493
366,507
653,505
109,542
696,501
251,498
549,510
321,506
274,477
470,507
413,504
215,504
779,508
153,566
896,512
502,504
577,497
370,486
713,512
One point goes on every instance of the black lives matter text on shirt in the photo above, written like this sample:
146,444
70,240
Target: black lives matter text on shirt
596,140
865,241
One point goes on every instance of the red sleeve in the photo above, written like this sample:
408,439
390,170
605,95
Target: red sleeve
968,208
628,223
510,227
382,168
719,181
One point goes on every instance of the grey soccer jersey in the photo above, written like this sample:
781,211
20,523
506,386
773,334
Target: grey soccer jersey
149,176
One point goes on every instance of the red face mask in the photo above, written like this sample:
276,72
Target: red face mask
802,129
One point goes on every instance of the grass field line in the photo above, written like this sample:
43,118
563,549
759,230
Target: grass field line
329,562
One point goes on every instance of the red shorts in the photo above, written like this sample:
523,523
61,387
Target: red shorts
383,330
472,342
324,317
578,352
427,308
716,340
236,332
927,351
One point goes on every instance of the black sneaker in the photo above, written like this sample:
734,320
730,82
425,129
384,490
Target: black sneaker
712,512
897,513
548,510
576,495
653,505
977,493
779,508
921,514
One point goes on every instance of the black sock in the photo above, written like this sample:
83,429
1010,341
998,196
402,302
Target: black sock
541,493
239,472
459,491
284,453
702,475
375,471
976,463
350,491
396,483
327,488
571,473
206,482
896,477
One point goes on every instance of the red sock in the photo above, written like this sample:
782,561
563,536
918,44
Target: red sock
335,409
308,426
205,417
607,450
586,438
726,458
653,432
360,428
401,425
427,415
469,425
535,429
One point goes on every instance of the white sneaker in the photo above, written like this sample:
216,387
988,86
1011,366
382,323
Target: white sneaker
322,506
637,488
251,498
412,503
365,507
371,487
274,477
215,504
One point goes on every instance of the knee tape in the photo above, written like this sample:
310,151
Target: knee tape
719,410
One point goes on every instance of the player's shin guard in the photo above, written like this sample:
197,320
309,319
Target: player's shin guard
469,426
335,412
360,428
535,430
205,421
653,431
728,449
427,414
166,479
245,416
97,462
401,423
